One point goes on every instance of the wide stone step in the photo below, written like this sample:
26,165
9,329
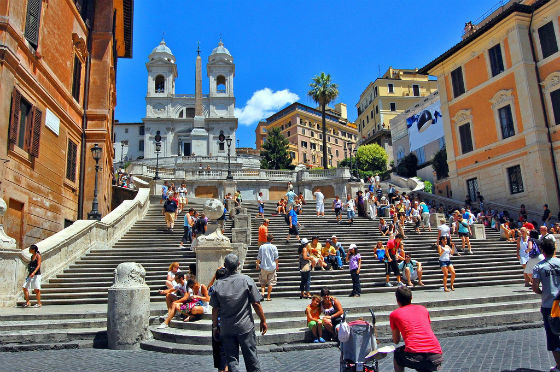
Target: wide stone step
31,336
52,324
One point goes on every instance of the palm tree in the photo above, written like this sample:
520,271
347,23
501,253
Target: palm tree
323,92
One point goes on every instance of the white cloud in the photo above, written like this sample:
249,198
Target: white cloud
264,103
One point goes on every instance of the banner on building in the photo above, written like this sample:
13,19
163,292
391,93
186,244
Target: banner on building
425,126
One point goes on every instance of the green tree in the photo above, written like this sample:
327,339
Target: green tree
274,153
439,163
372,158
408,166
323,92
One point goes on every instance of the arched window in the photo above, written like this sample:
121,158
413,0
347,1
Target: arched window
160,84
221,84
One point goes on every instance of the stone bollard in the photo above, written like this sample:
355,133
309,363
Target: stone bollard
435,218
241,221
478,231
128,308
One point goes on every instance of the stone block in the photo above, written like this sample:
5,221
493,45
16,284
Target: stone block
352,188
478,231
435,218
241,235
240,249
241,221
128,308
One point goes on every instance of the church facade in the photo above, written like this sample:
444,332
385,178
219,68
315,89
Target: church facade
189,124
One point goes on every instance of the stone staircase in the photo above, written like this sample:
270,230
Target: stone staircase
83,287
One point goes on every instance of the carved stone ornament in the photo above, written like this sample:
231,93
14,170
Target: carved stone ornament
129,274
80,45
6,242
501,97
552,82
462,116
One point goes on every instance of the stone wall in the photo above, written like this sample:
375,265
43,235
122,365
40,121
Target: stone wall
65,247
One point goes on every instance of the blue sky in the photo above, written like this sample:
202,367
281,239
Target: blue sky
278,46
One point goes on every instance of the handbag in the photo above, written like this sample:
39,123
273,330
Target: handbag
306,267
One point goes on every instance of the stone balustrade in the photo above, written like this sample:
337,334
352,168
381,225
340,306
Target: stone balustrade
65,247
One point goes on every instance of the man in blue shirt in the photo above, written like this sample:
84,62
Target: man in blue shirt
293,225
547,274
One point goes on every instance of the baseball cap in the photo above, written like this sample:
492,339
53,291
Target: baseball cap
304,241
333,237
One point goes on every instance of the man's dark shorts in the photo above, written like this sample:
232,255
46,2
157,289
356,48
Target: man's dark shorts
418,361
294,231
552,340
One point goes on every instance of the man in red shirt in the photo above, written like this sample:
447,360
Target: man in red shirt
421,350
263,231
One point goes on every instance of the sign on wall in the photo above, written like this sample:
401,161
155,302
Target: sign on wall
52,122
425,126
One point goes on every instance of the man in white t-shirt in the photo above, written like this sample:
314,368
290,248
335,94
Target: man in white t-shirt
320,202
350,207
377,180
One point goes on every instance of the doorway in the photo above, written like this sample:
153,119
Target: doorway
186,149
13,221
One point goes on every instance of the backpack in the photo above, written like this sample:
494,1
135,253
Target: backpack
554,317
535,252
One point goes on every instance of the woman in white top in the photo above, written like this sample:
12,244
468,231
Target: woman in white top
182,197
415,216
523,253
198,303
372,200
173,270
445,253
445,231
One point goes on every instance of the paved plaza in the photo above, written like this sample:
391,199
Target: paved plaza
520,351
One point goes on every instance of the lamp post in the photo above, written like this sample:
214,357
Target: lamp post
123,144
94,214
158,149
355,176
228,140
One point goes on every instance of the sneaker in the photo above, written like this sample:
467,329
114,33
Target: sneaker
321,340
388,284
470,252
162,326
401,284
316,341
554,369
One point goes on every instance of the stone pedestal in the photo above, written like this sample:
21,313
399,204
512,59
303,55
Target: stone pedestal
6,242
240,250
210,252
242,221
128,308
478,231
435,218
352,188
241,235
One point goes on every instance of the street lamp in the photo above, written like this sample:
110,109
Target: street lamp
123,144
94,214
228,139
158,149
355,176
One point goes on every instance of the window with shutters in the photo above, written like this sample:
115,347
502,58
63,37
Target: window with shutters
390,88
496,60
71,159
76,79
466,138
457,82
25,125
547,38
32,22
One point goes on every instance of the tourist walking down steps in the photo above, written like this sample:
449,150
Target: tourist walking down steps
231,301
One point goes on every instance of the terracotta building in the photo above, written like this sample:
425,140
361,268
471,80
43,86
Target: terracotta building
500,100
57,97
301,125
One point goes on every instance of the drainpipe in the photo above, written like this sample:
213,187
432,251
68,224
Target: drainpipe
543,105
89,24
